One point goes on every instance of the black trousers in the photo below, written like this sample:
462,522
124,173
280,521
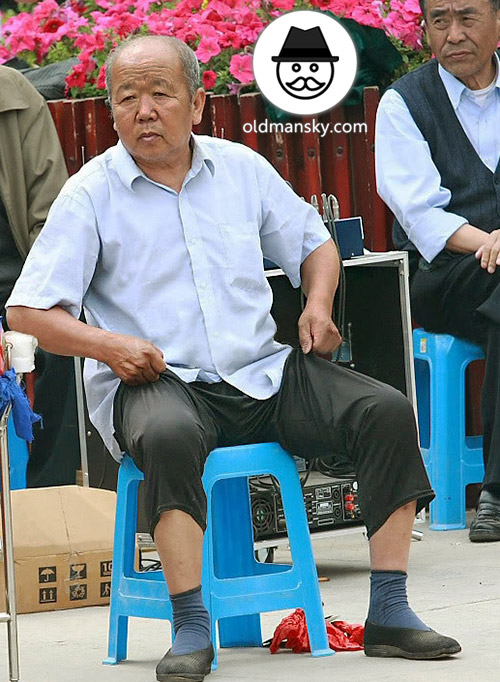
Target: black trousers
169,427
55,451
462,299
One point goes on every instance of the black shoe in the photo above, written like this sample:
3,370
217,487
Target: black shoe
185,667
407,643
486,526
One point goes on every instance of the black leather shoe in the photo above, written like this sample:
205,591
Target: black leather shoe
486,526
185,667
407,643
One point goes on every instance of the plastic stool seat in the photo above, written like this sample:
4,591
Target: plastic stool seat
236,587
453,460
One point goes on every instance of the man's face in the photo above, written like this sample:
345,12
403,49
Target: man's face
152,109
463,34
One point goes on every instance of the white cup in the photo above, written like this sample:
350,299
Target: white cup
22,351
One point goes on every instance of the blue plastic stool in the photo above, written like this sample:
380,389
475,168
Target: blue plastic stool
452,459
236,587
18,457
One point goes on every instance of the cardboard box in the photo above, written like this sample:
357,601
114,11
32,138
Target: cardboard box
63,547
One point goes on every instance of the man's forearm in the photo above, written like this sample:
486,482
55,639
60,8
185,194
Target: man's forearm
320,275
467,239
59,332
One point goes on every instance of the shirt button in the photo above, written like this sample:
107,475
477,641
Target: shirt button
192,242
202,285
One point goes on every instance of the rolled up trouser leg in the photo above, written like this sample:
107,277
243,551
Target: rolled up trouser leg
326,410
169,433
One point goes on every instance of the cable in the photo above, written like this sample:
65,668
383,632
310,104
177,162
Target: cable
333,467
155,565
330,207
310,467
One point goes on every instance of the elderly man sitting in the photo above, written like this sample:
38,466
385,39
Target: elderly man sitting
161,239
438,169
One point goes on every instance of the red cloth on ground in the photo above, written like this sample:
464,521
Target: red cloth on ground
292,631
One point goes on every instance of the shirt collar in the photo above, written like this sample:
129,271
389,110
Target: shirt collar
128,171
456,88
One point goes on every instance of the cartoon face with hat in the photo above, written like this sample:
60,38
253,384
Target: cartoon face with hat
305,64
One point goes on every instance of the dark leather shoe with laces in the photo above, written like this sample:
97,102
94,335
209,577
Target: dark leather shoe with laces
407,643
185,667
486,526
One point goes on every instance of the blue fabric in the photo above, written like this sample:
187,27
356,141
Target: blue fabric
23,415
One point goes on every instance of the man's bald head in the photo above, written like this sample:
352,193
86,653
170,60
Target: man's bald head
187,57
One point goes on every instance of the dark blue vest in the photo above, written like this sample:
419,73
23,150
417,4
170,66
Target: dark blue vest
475,190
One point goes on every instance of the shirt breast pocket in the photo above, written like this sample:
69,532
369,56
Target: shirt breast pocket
243,253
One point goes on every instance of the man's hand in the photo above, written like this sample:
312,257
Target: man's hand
134,360
318,333
489,253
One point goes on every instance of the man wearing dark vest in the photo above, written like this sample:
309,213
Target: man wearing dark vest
438,169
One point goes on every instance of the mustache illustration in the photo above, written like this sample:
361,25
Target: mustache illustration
302,83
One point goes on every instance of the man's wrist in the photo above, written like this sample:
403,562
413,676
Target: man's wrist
102,345
320,304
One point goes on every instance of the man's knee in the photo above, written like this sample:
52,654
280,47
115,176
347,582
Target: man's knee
176,439
392,409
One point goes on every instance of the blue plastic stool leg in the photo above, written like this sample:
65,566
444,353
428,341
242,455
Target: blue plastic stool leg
234,554
118,636
18,454
447,389
123,561
453,460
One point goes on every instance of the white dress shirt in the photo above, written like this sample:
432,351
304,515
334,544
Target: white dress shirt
407,178
183,270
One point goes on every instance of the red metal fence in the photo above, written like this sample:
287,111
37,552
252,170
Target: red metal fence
337,163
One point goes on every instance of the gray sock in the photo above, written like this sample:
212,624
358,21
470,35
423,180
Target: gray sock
191,622
389,603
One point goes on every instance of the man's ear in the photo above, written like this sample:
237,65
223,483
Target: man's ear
198,105
107,102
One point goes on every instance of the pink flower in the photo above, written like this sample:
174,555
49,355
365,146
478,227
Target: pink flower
209,78
76,78
4,54
285,5
208,48
368,15
44,9
241,68
223,9
101,79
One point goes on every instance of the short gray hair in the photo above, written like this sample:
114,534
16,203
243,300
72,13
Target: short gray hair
495,5
188,59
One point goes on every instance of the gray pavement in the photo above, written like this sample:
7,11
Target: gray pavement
454,586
